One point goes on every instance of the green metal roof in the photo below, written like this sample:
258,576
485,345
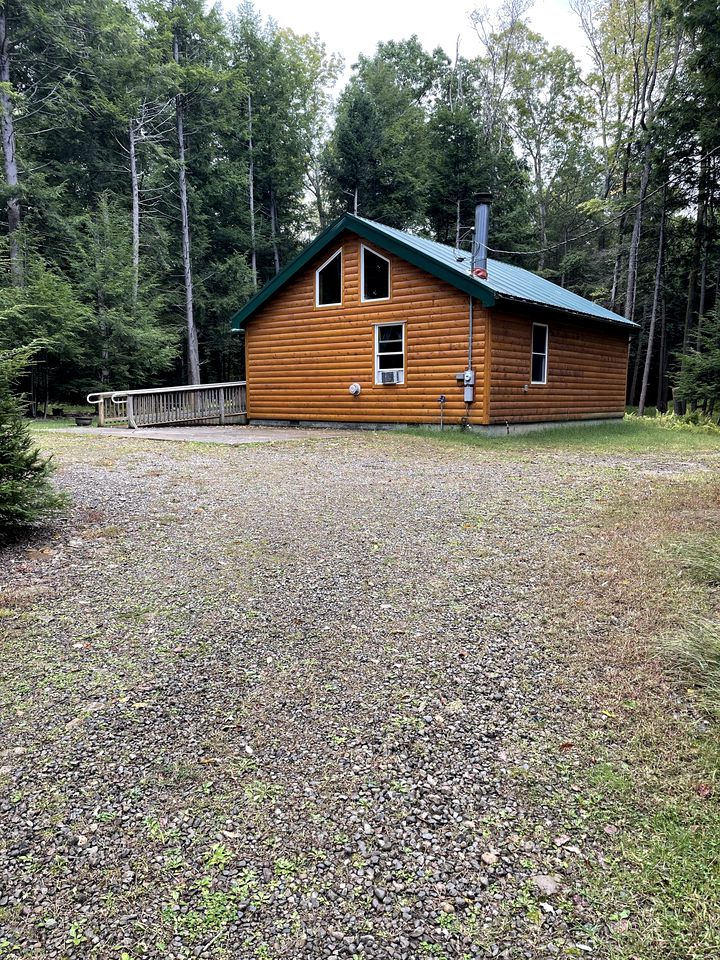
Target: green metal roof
504,283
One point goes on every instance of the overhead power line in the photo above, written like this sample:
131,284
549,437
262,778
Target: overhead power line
607,223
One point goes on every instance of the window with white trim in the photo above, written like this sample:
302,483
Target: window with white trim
539,359
389,353
375,279
328,282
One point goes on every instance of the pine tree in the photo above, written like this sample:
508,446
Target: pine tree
26,494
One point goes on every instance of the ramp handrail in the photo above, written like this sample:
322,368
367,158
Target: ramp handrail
162,406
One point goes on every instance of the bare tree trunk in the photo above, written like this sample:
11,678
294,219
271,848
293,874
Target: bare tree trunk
457,224
542,209
355,202
650,109
703,295
193,353
316,190
616,273
104,351
33,392
135,215
636,365
635,238
251,192
654,311
617,269
320,208
101,238
697,250
8,142
273,232
661,402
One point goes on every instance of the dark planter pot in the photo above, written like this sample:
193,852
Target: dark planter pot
83,421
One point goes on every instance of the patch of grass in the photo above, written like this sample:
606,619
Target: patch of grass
699,559
55,423
608,779
695,653
210,910
665,883
658,896
633,435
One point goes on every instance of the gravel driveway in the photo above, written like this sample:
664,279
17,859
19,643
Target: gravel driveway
309,699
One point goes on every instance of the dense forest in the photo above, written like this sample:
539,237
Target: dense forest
163,159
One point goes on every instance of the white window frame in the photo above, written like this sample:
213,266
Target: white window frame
338,253
378,372
363,298
536,353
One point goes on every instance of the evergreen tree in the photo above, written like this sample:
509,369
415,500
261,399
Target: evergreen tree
26,494
698,381
354,159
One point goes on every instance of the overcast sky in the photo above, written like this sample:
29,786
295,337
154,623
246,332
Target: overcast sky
353,28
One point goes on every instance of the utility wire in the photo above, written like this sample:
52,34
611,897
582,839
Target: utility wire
603,226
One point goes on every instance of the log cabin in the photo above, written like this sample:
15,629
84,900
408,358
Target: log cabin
373,326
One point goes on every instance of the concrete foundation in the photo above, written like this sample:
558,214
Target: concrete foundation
488,430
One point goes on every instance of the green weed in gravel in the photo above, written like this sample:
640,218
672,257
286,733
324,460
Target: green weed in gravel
259,792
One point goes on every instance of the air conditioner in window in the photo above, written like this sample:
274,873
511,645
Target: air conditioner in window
391,376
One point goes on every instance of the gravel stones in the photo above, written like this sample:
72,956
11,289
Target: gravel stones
299,700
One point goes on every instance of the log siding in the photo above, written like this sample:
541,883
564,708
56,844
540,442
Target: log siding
586,370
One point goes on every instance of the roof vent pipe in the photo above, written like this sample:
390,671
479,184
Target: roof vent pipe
480,239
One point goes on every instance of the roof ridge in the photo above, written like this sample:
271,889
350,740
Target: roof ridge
573,301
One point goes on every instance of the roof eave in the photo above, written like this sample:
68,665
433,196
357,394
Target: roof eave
620,322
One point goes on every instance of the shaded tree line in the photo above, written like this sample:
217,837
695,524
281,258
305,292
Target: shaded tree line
162,161
155,157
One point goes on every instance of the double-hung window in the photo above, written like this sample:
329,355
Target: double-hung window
539,358
390,353
328,282
375,279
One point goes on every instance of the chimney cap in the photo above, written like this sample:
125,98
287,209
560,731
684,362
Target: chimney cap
483,197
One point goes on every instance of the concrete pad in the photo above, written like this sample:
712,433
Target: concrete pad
231,435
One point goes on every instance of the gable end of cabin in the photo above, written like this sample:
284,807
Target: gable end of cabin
328,329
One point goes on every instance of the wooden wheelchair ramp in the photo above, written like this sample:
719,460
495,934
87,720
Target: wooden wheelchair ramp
207,403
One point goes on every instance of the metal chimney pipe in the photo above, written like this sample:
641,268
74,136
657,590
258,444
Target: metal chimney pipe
480,239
